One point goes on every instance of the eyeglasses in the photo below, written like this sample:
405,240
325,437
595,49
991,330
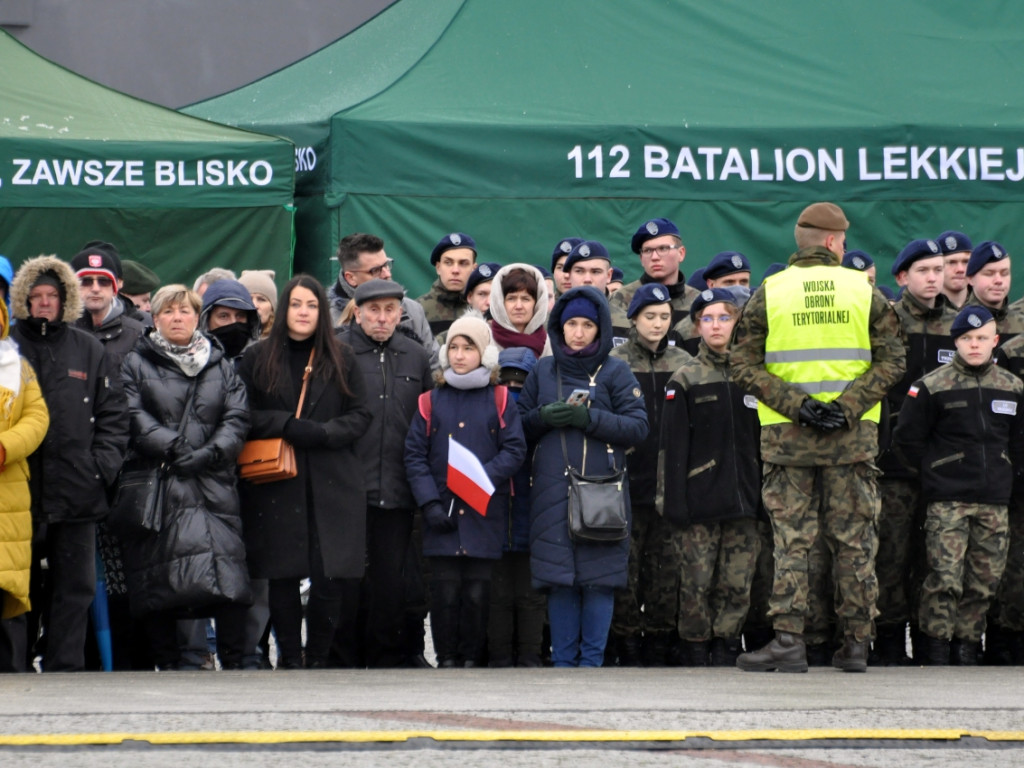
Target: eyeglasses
661,250
376,271
722,319
102,282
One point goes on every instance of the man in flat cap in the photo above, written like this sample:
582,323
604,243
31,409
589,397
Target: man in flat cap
819,347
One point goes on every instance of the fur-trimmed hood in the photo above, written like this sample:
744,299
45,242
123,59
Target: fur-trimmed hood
27,275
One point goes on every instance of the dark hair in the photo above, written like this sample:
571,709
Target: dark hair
272,369
351,246
519,279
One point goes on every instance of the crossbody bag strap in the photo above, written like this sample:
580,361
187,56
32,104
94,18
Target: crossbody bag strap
305,384
561,432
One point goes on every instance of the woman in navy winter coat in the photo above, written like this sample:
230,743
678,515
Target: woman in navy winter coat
579,576
463,544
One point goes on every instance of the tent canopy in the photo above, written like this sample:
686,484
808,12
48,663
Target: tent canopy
79,161
522,123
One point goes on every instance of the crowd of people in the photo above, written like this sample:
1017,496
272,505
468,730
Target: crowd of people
814,471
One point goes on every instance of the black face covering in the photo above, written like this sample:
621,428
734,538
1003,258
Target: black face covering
233,337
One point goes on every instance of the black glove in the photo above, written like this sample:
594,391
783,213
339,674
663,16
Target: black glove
579,416
822,416
834,417
194,462
435,516
556,415
305,433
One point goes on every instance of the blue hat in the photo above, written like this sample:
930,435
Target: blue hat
647,294
726,263
521,358
544,271
483,273
859,260
585,251
651,229
952,241
578,307
565,245
617,275
714,295
774,268
454,240
983,254
887,292
696,279
970,318
913,251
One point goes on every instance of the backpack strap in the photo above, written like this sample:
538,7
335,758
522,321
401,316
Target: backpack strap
500,401
426,406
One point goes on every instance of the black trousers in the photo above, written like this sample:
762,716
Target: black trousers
459,602
162,628
387,542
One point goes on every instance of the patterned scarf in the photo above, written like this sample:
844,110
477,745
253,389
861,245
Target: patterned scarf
191,358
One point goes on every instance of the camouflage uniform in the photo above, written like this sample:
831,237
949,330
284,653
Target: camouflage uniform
681,296
712,487
653,555
807,471
925,333
442,307
1009,317
961,428
1007,611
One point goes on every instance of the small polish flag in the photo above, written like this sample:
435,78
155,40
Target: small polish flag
467,477
670,394
912,392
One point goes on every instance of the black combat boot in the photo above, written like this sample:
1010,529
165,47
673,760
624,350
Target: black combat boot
695,653
998,650
934,651
890,647
629,650
818,655
724,651
786,653
655,649
964,653
853,656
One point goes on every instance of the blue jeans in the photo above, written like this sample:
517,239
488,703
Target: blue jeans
580,618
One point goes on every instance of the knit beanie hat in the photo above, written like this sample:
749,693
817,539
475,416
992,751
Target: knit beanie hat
260,281
476,329
579,307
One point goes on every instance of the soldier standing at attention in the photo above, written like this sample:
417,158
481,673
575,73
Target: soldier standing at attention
988,272
653,577
454,258
956,252
962,428
819,347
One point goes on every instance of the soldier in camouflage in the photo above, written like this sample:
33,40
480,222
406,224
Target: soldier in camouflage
653,580
727,269
824,328
988,272
712,476
925,318
454,258
962,428
661,251
956,253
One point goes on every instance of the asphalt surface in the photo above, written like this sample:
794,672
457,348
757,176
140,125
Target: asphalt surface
635,717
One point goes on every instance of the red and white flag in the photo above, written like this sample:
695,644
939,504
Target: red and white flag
467,477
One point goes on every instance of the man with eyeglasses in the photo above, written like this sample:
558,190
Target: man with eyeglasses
819,347
361,258
104,315
658,244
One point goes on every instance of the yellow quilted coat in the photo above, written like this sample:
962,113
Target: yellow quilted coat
23,424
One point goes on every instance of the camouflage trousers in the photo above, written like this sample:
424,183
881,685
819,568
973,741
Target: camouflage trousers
653,580
761,584
846,500
966,546
1009,602
900,550
717,566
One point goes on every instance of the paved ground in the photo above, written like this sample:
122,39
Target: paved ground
892,717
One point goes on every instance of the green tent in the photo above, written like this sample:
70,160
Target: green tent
521,123
79,161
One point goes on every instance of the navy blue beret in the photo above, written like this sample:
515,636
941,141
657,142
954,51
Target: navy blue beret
544,271
772,269
565,245
726,263
483,273
913,251
617,275
859,260
970,318
647,294
454,240
651,229
887,292
983,254
696,279
586,250
734,294
952,241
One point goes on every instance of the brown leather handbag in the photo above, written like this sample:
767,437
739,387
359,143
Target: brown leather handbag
273,458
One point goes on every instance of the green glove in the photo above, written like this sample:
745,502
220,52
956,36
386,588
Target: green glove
579,416
556,415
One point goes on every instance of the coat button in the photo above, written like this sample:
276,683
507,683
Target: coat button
85,400
462,424
462,511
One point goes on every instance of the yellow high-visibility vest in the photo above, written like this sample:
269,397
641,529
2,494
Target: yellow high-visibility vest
818,339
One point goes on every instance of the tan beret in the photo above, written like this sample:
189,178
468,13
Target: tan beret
827,216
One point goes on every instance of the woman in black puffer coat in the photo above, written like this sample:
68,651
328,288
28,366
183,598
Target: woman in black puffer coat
195,564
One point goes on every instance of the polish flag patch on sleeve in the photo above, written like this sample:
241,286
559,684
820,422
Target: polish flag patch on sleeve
670,394
912,392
